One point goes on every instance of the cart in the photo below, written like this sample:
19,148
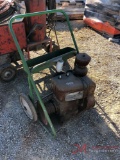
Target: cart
38,64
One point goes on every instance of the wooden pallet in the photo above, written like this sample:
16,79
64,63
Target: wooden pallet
73,8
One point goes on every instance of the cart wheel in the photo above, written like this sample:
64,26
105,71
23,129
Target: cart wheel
28,107
7,74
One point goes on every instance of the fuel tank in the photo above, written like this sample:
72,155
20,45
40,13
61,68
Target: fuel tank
69,87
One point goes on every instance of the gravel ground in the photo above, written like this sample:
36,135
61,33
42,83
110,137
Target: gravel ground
96,130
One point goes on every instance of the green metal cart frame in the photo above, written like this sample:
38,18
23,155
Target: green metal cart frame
44,61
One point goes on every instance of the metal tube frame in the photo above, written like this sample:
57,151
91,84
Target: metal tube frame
32,85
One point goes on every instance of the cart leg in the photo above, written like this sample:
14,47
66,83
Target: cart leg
30,90
42,105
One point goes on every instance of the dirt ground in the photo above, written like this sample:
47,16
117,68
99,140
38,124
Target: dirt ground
93,135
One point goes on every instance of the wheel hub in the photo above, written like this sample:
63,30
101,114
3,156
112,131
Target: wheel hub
7,74
26,108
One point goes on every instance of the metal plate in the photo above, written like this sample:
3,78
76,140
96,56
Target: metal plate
74,96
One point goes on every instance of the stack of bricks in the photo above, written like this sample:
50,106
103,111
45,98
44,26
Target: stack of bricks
73,8
106,11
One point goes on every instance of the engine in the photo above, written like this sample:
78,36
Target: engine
73,91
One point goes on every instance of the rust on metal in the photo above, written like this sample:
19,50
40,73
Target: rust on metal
80,71
71,84
82,59
67,84
37,34
6,42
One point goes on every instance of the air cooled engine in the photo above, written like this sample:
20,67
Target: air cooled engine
73,91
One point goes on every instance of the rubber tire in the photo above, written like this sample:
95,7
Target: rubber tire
30,105
11,69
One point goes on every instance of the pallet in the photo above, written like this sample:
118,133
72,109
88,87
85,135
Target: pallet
106,12
73,8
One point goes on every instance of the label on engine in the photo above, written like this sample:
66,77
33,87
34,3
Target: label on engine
74,96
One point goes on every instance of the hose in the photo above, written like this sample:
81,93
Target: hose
7,9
